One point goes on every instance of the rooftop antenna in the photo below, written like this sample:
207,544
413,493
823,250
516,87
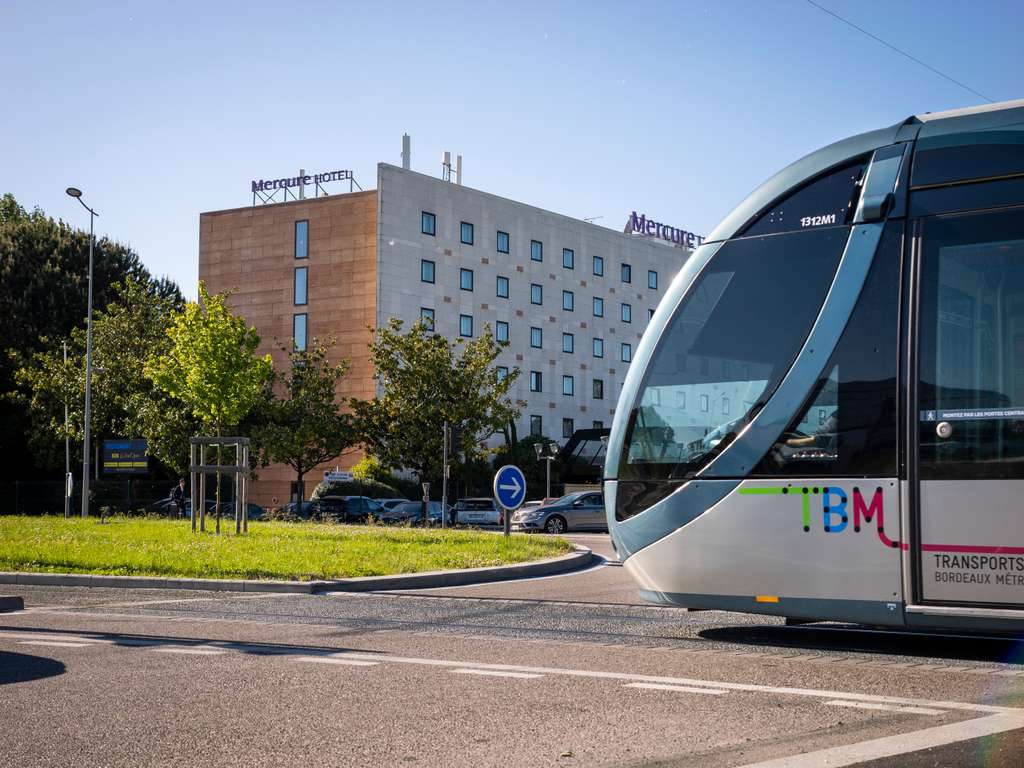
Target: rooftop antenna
446,166
592,219
406,151
458,170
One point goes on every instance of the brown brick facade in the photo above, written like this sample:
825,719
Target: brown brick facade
251,252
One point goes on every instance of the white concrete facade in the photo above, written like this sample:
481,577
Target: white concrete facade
402,246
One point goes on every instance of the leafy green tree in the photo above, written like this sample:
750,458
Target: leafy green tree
211,366
524,455
43,296
371,468
305,427
424,380
131,327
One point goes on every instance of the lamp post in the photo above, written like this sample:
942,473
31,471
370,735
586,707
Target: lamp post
77,194
546,452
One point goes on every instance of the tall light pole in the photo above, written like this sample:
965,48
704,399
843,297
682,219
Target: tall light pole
547,452
77,194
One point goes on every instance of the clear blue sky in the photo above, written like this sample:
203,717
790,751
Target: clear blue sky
678,109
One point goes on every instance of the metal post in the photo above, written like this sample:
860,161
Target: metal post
194,490
202,489
547,492
88,378
444,476
245,488
67,450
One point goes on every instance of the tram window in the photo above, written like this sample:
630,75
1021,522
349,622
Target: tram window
742,316
849,425
972,346
828,201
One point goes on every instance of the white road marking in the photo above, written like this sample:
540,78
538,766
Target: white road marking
54,643
899,744
191,651
886,707
489,673
680,688
339,662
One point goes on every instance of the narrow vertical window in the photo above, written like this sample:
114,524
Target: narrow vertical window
536,250
598,347
301,239
502,242
598,424
502,372
598,266
426,271
568,258
536,381
568,385
568,342
627,313
536,426
299,332
465,325
627,353
300,285
536,293
598,389
428,223
466,233
598,306
567,427
627,273
536,338
502,288
568,301
427,314
652,279
466,279
501,330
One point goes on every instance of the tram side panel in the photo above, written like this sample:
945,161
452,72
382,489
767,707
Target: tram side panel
811,548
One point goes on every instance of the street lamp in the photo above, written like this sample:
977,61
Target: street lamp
546,452
77,194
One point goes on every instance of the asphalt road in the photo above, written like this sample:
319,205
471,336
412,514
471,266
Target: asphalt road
562,671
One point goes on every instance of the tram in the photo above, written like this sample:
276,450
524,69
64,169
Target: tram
825,417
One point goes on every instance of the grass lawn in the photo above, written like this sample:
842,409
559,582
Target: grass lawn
293,551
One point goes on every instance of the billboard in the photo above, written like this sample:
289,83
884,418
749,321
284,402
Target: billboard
125,457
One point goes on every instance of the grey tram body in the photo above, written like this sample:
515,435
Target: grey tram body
703,512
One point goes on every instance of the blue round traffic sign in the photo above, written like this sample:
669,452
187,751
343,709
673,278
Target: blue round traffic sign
510,487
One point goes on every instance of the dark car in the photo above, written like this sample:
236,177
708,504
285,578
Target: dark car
347,509
580,511
411,512
303,509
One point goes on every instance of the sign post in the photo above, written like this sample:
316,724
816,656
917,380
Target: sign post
425,507
509,491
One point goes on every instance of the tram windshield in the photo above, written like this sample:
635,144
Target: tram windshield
727,347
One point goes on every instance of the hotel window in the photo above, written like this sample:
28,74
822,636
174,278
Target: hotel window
725,406
501,330
627,273
598,306
427,313
502,289
536,338
598,424
568,385
466,233
627,352
536,426
568,342
301,239
536,293
426,271
466,279
598,347
568,301
652,279
704,404
502,372
428,223
536,381
650,315
598,389
567,428
627,313
568,258
299,332
465,325
502,242
598,266
536,250
301,274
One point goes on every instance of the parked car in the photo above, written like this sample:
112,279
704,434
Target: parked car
390,503
477,512
303,509
227,509
347,509
411,511
580,511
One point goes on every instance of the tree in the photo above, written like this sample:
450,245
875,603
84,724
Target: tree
43,296
211,366
306,427
424,380
133,326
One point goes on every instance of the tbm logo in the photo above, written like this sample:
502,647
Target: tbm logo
834,504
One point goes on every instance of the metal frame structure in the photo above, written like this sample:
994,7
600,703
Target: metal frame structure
318,191
240,470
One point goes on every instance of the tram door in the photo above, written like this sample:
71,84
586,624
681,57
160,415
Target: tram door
969,547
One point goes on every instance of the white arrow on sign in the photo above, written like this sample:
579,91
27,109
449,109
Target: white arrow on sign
515,487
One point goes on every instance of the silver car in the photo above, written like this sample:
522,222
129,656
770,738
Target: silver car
477,512
580,511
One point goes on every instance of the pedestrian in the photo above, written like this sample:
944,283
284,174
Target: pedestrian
178,497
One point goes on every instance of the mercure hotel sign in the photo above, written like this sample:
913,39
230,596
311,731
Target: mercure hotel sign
269,185
641,225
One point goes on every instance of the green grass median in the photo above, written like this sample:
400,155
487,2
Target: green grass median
289,551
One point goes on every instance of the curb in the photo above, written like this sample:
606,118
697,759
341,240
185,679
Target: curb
430,579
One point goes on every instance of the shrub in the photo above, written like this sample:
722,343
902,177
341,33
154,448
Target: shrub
371,468
370,488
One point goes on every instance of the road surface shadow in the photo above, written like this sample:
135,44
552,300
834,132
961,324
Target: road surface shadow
855,639
21,667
